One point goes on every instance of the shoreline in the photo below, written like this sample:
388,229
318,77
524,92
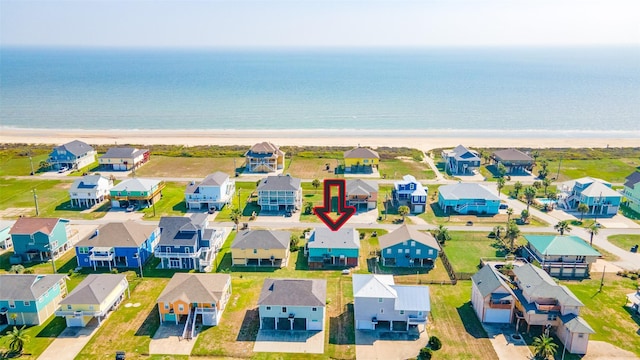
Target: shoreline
421,139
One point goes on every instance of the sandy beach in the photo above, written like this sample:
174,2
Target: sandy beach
421,140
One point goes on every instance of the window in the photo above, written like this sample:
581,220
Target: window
83,250
329,250
430,251
404,243
581,335
388,251
413,243
26,303
180,307
255,251
12,305
268,307
284,309
406,251
381,311
419,313
418,251
314,309
401,312
166,306
68,307
551,317
399,251
379,300
90,307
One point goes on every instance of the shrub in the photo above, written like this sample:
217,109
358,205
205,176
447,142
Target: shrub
434,343
633,277
425,354
29,271
114,271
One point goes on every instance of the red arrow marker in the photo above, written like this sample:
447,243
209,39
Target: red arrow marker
344,211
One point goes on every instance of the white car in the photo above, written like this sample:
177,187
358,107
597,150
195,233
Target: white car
130,208
63,169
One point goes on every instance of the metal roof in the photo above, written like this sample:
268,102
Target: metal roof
345,238
293,292
361,187
373,286
511,155
123,152
87,182
565,245
412,298
597,189
136,184
467,191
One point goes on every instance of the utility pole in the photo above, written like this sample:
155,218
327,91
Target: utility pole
35,200
558,174
31,162
239,207
602,279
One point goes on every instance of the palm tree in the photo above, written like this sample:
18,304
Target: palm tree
562,227
530,195
546,183
544,347
403,211
315,183
442,234
512,234
497,230
524,215
235,216
592,230
502,170
509,213
500,183
582,209
516,189
17,339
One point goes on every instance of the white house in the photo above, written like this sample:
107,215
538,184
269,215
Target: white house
214,192
380,304
90,190
491,297
411,193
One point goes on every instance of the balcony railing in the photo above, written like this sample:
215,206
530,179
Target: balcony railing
101,257
499,306
180,255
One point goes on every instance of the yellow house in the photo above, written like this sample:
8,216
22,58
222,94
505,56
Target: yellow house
94,297
361,160
261,248
189,295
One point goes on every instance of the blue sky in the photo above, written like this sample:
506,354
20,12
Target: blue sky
307,23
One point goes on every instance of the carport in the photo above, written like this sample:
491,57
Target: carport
299,324
284,324
399,326
268,323
383,325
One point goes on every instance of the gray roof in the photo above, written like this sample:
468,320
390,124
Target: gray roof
26,286
264,149
6,224
488,280
87,182
361,153
632,180
599,189
123,152
462,153
463,191
405,233
137,184
94,289
216,179
279,183
576,324
293,292
345,238
180,230
261,239
195,288
121,234
511,155
361,187
76,147
538,284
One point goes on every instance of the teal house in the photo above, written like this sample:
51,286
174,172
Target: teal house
27,299
597,194
39,239
564,256
137,192
333,248
632,191
407,247
468,198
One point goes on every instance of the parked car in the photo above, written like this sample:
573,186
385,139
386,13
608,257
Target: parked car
504,206
130,208
120,355
63,169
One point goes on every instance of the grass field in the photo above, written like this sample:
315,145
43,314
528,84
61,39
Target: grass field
312,168
19,165
245,188
399,167
188,167
633,215
612,170
40,336
465,249
625,241
171,204
605,311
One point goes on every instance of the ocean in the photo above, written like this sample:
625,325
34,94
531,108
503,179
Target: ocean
554,92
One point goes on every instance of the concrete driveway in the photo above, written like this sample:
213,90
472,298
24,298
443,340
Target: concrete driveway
278,341
167,340
506,346
385,345
70,342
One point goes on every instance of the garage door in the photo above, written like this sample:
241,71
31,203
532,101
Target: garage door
365,325
419,208
75,321
299,324
268,323
501,316
399,326
314,325
284,324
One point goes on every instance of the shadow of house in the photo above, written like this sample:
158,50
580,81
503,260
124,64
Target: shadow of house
341,330
53,328
150,324
250,326
470,321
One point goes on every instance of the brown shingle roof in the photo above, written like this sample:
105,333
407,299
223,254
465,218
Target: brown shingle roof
361,153
124,234
265,148
195,288
34,225
405,233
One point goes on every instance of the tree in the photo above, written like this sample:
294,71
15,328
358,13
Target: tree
14,318
592,230
403,211
315,183
544,347
535,155
44,165
497,230
425,354
543,172
546,183
524,216
434,343
442,234
530,195
294,242
517,187
308,207
562,227
513,231
582,209
537,185
17,339
235,216
500,183
502,170
509,213
17,269
483,154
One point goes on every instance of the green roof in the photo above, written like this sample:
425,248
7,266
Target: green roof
561,245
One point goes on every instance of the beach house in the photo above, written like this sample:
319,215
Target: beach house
90,190
138,192
380,304
279,193
5,236
468,198
118,245
27,299
124,158
40,239
632,191
72,156
327,248
264,157
361,160
214,192
409,192
94,298
515,161
408,247
566,256
188,242
292,304
461,161
597,194
362,194
491,297
261,248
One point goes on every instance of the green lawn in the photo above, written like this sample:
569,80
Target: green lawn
171,204
465,249
247,202
189,167
313,168
605,311
625,241
633,215
14,165
40,336
613,170
397,168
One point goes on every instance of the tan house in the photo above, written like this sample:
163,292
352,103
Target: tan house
363,194
261,248
264,157
124,158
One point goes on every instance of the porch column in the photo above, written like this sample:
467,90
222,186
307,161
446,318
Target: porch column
275,322
160,315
